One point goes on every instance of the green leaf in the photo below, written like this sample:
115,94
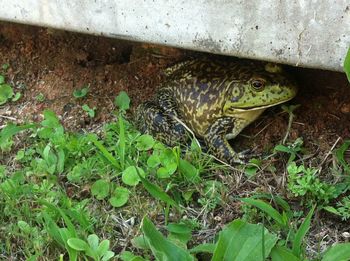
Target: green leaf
339,252
79,93
332,210
107,255
6,92
119,197
242,242
162,248
2,79
24,227
90,111
122,101
157,192
104,151
144,142
65,235
167,156
128,256
179,233
5,66
60,161
300,234
11,130
140,242
50,120
93,241
66,219
190,172
167,171
103,247
40,97
77,244
100,189
121,144
130,177
153,161
281,253
17,96
273,213
203,248
340,154
178,228
347,64
52,229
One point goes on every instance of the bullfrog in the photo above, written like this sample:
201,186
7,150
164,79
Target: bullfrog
214,98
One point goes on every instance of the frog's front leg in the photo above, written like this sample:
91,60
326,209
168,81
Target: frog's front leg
166,101
216,140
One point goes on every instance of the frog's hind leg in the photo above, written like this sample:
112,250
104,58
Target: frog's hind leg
152,119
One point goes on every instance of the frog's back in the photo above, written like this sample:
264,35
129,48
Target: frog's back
199,88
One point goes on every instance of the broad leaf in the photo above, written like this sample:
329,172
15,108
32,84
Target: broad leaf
130,175
122,101
347,64
100,189
281,253
273,213
162,248
77,244
203,248
119,197
300,234
242,241
339,252
157,192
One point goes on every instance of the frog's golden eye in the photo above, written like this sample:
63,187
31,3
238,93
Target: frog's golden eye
258,84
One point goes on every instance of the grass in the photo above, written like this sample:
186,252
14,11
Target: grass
98,195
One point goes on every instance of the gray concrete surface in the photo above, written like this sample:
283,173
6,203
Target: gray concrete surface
308,33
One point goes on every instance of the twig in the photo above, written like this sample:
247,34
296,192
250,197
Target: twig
8,117
327,155
291,116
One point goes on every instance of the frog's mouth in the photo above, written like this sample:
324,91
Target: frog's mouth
253,108
256,108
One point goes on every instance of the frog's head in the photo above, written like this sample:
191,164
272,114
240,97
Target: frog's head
258,87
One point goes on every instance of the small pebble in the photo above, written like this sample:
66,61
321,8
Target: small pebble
345,108
346,235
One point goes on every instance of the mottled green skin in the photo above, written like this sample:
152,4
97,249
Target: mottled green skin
215,99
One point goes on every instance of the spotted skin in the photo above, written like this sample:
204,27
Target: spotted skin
216,99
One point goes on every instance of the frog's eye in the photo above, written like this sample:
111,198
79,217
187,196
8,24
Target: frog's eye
258,84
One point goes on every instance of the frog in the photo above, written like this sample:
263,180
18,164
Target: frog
215,99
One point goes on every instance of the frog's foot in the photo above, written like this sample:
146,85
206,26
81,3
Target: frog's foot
151,119
239,158
244,156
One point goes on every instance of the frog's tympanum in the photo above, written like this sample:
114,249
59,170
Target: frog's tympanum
215,99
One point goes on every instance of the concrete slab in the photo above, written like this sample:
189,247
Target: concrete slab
308,33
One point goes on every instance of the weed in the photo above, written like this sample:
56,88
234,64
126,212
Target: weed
303,182
90,111
80,93
290,110
347,64
5,66
292,148
342,208
6,92
340,156
40,97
